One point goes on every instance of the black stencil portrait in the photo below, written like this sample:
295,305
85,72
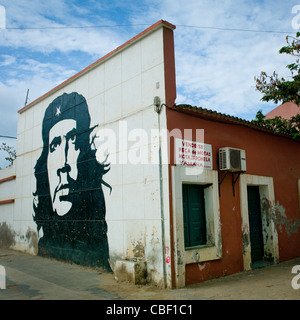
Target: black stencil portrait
69,204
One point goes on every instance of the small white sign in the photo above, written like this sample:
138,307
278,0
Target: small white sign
2,278
193,154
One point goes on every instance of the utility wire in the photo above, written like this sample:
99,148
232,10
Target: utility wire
234,29
8,137
137,25
77,27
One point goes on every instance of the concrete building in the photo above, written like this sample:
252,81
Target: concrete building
110,172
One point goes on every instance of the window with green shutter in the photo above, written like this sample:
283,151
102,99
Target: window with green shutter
194,215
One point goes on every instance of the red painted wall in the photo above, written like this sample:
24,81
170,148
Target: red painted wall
267,155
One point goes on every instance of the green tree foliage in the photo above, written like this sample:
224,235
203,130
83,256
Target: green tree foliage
278,124
10,151
278,89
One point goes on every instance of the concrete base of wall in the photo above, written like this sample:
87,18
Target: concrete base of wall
132,270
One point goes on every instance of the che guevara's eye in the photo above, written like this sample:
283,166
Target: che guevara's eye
71,136
55,143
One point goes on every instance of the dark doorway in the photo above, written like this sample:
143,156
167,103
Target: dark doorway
255,223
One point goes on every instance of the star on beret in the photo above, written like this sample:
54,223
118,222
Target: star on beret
58,112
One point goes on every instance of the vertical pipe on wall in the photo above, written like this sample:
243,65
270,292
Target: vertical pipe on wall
158,110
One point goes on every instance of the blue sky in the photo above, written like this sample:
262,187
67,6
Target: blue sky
215,69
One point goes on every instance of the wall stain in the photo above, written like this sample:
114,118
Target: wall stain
245,238
136,247
138,250
201,266
7,236
195,257
276,212
32,239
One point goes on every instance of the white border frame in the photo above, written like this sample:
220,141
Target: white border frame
266,190
212,251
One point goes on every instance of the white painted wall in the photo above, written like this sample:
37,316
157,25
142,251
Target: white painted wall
7,191
119,93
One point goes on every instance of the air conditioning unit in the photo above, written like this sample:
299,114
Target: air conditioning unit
232,159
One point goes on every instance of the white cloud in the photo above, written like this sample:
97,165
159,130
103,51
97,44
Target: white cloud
215,68
32,15
40,78
52,71
39,60
6,60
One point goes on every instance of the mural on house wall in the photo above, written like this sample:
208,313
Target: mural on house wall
69,204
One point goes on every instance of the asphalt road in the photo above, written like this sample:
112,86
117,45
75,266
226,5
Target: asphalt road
30,277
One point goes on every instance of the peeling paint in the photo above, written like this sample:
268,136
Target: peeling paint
139,250
136,246
196,257
245,238
276,212
147,245
201,266
134,270
153,252
179,259
219,241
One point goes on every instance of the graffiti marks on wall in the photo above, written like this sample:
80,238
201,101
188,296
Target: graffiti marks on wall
69,204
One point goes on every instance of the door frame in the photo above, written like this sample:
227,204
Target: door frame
211,251
188,214
270,236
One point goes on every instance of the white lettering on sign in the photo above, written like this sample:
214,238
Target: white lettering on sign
193,154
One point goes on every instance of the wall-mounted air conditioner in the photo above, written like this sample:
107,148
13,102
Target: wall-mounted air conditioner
232,159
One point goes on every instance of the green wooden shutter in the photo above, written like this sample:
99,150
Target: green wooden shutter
194,215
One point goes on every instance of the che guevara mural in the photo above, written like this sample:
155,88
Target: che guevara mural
69,204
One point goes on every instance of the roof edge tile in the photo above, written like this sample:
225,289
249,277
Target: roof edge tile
222,117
